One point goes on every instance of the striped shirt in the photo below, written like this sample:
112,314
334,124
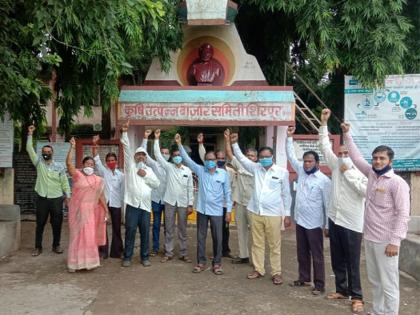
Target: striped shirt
387,201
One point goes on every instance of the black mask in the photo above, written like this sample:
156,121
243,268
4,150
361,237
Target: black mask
383,170
220,163
46,156
311,171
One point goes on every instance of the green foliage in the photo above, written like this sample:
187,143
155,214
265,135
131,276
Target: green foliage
89,44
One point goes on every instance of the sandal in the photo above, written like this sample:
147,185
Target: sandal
217,269
165,259
299,283
277,279
199,268
336,296
185,259
357,306
254,275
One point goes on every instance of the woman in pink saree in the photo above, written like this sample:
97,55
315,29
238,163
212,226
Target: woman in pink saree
87,215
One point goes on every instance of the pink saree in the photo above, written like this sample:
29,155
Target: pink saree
86,222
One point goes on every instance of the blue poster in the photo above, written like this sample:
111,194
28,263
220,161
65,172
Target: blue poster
387,116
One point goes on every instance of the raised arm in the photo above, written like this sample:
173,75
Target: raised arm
128,155
98,163
354,152
228,145
290,151
201,147
324,140
69,160
185,157
149,161
156,150
249,165
227,193
190,190
30,146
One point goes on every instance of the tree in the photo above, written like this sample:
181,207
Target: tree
89,44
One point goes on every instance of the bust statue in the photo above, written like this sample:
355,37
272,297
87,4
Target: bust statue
206,70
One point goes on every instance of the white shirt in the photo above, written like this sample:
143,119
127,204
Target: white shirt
157,193
312,193
271,194
245,183
179,189
114,184
138,190
348,190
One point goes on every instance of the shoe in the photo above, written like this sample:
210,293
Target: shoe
228,255
126,263
318,291
153,253
57,250
299,283
238,260
185,259
146,263
37,252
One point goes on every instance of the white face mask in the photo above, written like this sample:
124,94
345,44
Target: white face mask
140,165
166,156
88,170
345,161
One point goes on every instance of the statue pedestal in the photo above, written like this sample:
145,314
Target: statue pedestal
9,229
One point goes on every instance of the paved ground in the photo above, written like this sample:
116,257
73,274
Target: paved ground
42,285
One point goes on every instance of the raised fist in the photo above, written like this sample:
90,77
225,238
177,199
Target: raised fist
31,129
72,142
157,133
200,138
325,115
147,133
291,130
95,139
345,127
234,137
227,135
124,126
177,138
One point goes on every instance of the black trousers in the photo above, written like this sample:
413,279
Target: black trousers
116,243
345,246
52,207
216,235
309,244
225,236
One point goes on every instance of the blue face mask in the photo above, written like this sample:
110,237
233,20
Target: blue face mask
267,161
209,164
177,159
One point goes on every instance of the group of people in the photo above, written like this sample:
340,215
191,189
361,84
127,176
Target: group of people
359,200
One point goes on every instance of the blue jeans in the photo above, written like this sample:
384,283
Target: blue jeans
136,217
157,208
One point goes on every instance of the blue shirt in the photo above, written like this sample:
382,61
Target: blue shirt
213,189
312,193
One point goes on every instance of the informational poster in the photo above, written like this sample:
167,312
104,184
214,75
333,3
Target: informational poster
6,142
206,10
387,116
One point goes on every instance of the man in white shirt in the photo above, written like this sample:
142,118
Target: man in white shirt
158,205
345,214
241,197
114,194
139,182
178,198
270,201
311,204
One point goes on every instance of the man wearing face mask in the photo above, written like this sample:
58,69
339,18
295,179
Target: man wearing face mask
213,192
158,205
178,198
139,182
387,212
51,184
221,163
312,200
345,218
242,195
270,201
114,195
